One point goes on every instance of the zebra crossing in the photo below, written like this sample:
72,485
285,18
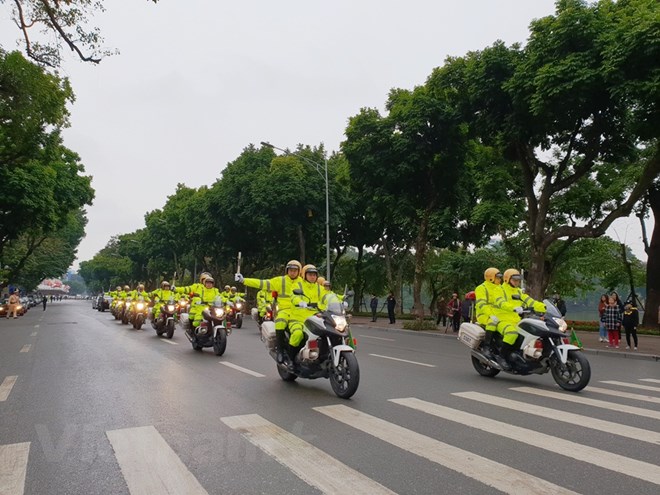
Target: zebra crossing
149,465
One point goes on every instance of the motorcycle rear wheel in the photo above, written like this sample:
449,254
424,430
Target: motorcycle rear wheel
482,369
170,329
345,377
575,374
220,342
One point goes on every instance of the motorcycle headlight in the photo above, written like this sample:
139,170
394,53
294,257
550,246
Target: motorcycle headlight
239,305
20,306
563,326
140,306
219,312
170,308
340,322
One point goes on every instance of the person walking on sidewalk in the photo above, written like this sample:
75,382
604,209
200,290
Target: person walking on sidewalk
374,306
612,320
454,311
441,307
391,304
630,323
43,301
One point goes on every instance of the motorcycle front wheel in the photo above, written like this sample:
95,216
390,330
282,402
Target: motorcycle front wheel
139,320
345,377
484,369
575,374
170,329
220,342
239,322
284,373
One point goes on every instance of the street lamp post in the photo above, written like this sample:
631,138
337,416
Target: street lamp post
324,176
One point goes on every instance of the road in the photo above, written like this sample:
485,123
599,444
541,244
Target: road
88,406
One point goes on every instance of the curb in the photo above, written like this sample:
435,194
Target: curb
596,352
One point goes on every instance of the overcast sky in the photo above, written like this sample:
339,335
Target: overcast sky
197,81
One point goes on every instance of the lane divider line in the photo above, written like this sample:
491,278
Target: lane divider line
573,450
13,467
168,341
309,463
149,464
377,338
403,360
5,388
571,397
490,473
241,369
34,334
566,417
26,348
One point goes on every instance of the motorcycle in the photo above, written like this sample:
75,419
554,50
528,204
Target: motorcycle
542,345
268,316
165,321
182,306
126,310
211,332
117,308
138,313
326,352
235,313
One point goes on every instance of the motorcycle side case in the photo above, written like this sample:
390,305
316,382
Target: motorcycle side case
268,334
471,334
254,312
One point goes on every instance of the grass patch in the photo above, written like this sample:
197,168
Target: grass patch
419,325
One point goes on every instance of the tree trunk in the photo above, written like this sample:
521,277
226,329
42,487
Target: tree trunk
359,279
421,247
653,264
538,279
301,244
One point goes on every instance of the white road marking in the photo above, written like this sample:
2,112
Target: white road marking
168,341
601,458
652,380
491,473
310,464
149,464
34,334
36,326
625,395
26,348
5,388
632,385
403,360
13,466
571,397
244,370
566,417
377,338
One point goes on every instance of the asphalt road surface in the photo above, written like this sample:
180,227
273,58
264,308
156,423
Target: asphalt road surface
88,406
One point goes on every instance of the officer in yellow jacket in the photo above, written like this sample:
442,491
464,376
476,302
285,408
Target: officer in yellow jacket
203,294
493,315
160,297
305,305
284,285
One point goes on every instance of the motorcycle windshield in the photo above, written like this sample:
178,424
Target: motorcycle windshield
334,304
551,309
217,302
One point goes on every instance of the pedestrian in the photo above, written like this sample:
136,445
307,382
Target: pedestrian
561,305
630,323
619,304
43,301
612,322
374,306
14,301
441,307
602,331
454,311
391,304
467,307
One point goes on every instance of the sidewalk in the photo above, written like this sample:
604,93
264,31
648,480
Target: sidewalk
649,345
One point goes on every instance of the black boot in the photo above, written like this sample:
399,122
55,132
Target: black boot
505,356
293,352
279,346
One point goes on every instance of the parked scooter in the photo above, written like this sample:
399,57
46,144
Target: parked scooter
211,332
542,346
165,321
326,352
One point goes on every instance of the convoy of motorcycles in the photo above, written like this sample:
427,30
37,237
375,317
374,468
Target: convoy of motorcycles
328,348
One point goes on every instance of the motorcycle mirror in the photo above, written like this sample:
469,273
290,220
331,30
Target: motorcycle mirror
298,292
516,296
350,293
273,294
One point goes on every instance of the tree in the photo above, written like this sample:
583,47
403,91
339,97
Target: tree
652,202
573,116
62,22
407,164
